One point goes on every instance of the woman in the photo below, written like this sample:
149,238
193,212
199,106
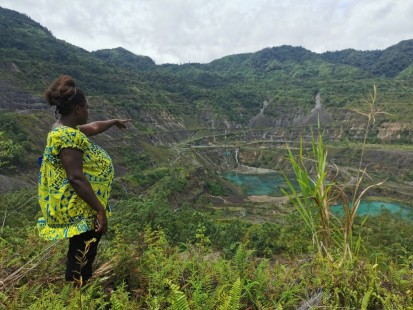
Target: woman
75,179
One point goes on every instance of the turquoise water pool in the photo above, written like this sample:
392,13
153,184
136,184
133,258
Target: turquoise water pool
258,184
377,207
270,184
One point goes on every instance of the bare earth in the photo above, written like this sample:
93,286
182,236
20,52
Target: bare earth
265,198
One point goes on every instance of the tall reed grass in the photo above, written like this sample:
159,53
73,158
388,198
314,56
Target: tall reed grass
319,190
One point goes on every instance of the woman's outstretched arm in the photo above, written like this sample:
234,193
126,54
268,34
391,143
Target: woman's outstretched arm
94,128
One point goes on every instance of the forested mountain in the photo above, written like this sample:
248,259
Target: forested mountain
265,95
40,56
389,62
184,237
257,94
123,58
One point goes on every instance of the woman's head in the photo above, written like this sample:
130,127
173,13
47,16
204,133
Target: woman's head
64,94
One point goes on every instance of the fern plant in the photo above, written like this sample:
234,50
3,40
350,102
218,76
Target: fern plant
240,260
120,299
178,299
232,300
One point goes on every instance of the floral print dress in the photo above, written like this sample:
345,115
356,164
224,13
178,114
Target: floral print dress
65,214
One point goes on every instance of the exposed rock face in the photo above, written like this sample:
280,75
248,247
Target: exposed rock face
317,116
14,68
164,128
14,98
283,119
13,183
167,128
395,131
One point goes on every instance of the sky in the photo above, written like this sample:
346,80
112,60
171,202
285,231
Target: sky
183,31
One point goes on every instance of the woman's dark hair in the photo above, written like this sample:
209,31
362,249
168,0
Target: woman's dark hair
64,94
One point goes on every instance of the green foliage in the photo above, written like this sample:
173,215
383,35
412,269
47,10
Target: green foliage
138,162
231,302
123,58
178,299
9,152
240,260
12,127
314,193
161,253
16,209
173,181
150,177
233,87
50,299
317,193
265,239
120,299
202,242
216,189
20,146
12,139
148,271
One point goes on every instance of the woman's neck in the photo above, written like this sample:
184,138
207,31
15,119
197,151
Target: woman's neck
66,120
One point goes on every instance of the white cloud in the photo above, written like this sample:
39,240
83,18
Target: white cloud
182,31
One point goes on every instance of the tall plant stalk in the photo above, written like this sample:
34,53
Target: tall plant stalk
371,113
314,192
317,194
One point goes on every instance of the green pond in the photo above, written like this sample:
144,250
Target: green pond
377,207
270,184
258,184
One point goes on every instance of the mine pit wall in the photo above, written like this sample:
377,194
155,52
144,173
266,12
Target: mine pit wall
388,133
380,164
393,167
164,129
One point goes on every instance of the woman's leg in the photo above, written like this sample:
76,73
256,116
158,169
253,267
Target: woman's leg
79,263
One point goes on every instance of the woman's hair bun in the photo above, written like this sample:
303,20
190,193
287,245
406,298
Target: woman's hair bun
61,90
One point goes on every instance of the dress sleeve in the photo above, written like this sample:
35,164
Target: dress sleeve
67,138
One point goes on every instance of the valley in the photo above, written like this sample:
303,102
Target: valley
180,228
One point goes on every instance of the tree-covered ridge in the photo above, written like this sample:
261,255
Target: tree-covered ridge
227,93
17,22
185,100
123,58
389,62
24,39
23,34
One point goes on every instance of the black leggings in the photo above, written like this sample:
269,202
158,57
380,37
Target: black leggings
75,267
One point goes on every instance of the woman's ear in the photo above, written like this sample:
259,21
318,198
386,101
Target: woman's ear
77,108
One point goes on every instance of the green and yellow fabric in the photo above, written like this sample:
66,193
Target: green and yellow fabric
65,214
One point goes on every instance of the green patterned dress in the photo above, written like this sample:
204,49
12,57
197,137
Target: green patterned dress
65,214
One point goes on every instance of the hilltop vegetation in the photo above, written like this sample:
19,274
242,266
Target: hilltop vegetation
233,87
181,236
